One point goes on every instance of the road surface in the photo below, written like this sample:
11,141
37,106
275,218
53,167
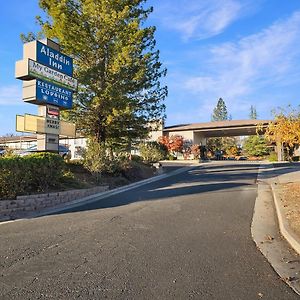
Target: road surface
184,237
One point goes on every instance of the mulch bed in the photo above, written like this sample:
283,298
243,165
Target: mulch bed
290,199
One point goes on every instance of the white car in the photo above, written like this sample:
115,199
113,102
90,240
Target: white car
64,152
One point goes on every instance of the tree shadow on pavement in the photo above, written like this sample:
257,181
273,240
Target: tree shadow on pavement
201,179
153,195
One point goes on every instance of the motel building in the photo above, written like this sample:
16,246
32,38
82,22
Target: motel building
23,142
194,133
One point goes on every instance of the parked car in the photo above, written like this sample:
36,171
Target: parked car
64,152
231,158
2,152
242,158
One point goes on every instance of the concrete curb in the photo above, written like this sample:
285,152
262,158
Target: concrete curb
102,195
267,238
284,227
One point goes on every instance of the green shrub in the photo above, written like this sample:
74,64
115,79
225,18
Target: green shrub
136,158
32,173
9,152
98,159
152,151
171,157
256,146
273,157
95,158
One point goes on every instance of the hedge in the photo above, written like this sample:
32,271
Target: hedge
32,173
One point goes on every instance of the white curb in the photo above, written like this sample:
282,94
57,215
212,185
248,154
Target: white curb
284,227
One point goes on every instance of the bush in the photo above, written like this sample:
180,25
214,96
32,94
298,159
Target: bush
136,158
273,157
9,153
98,159
195,150
95,158
137,170
256,146
171,157
32,173
152,151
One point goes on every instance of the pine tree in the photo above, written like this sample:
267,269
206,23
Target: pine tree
220,112
253,113
256,146
116,64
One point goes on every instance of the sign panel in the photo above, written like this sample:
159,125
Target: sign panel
54,59
39,92
34,123
47,81
53,94
42,125
20,123
43,72
52,126
67,129
52,112
52,119
28,69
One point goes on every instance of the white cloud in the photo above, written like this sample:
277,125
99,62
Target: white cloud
201,19
237,70
10,95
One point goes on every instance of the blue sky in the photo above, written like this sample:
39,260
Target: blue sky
247,52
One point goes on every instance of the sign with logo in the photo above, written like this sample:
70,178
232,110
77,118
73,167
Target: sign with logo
29,69
54,94
47,81
53,59
52,119
52,112
52,126
40,91
40,71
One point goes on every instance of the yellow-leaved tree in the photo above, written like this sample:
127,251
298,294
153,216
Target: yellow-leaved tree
285,130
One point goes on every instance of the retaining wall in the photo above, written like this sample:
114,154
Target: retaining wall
24,205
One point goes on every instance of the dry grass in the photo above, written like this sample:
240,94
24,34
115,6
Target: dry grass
290,198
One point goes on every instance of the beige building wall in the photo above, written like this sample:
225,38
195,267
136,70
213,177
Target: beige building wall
193,137
187,135
154,135
199,139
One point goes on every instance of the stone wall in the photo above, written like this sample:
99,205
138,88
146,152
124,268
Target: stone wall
26,205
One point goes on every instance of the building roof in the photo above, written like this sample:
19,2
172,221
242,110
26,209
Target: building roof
220,129
216,125
17,138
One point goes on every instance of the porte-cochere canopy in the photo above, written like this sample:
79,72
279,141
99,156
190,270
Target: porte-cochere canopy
219,129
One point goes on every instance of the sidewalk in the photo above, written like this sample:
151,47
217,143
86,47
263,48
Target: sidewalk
284,179
286,193
268,236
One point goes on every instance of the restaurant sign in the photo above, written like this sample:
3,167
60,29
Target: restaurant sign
40,71
43,92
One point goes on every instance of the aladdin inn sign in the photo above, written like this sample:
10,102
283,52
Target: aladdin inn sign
47,75
48,82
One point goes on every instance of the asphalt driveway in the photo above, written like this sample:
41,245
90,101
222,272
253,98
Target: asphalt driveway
187,236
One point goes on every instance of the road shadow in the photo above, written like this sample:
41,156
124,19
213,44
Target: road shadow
154,194
196,181
205,178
